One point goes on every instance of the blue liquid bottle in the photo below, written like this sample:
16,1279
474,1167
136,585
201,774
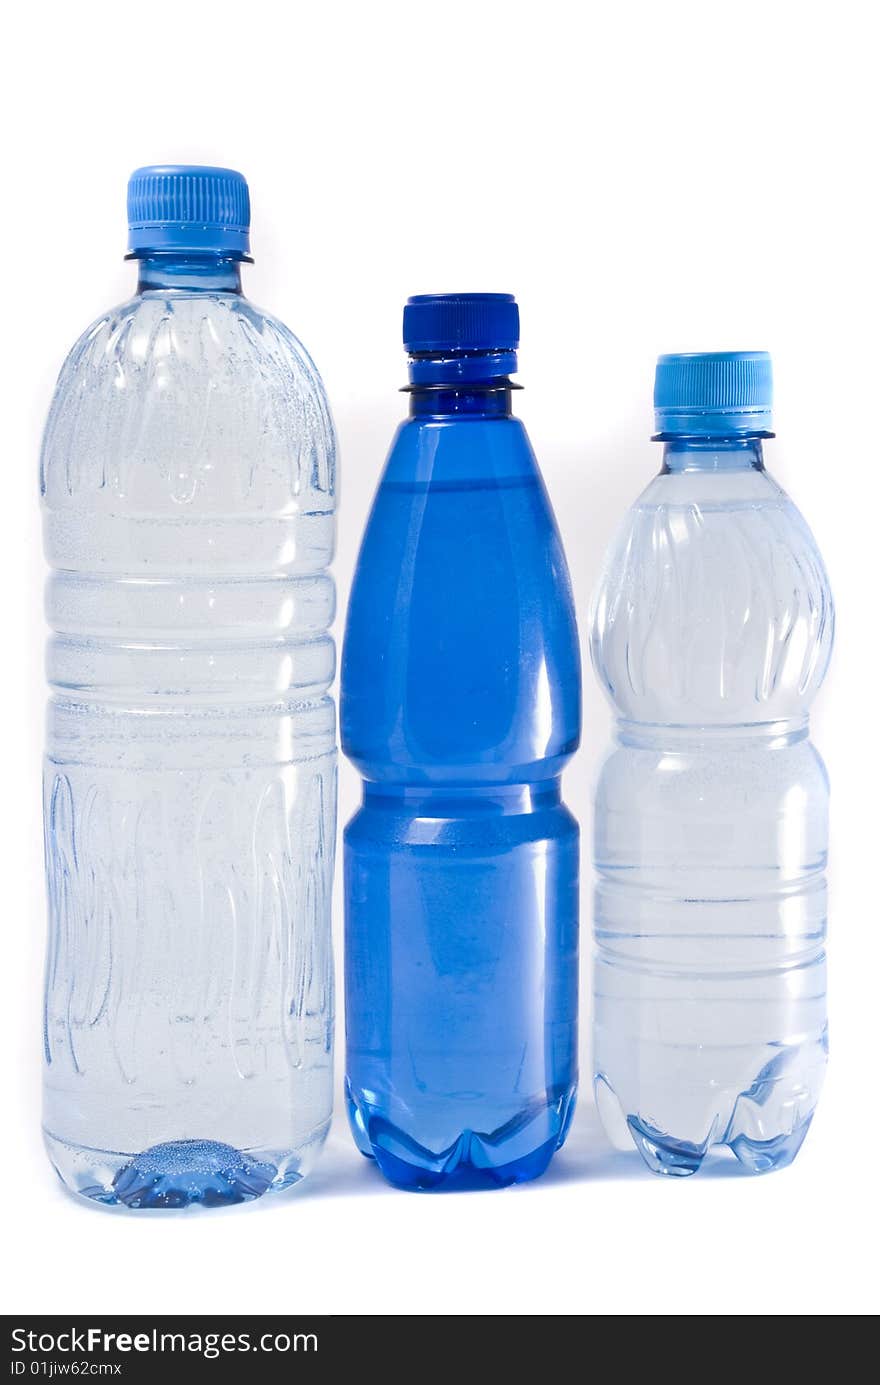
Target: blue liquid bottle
460,708
712,632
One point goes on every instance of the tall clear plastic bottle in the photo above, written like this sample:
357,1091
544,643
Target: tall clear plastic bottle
712,632
460,708
187,483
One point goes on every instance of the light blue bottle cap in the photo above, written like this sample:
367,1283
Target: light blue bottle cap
188,207
713,394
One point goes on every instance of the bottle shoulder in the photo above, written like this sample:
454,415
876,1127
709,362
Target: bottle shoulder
460,659
708,489
188,399
462,447
714,606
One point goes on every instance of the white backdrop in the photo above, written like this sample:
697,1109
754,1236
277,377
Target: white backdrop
684,176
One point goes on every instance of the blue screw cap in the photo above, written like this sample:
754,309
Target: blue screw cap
713,394
188,207
439,322
460,337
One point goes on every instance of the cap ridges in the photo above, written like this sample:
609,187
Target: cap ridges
714,393
461,322
188,207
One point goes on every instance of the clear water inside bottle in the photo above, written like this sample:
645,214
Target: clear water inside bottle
188,491
712,632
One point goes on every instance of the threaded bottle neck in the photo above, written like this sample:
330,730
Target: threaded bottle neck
461,382
208,272
713,454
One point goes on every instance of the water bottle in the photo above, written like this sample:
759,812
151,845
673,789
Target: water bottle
460,707
712,632
187,483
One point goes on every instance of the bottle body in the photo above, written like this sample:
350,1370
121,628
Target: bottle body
712,632
187,483
460,707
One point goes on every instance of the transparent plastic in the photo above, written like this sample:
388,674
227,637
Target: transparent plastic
187,482
712,632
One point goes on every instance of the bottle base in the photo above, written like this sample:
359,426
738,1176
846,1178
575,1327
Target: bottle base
671,1157
517,1152
179,1174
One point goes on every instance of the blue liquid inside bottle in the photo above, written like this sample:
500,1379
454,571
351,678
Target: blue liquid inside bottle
460,707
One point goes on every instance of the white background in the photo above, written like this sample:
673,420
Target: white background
644,177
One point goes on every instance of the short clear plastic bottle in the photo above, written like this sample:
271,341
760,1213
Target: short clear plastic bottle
712,632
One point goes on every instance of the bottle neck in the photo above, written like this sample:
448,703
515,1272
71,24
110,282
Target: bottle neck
458,400
713,454
192,273
453,384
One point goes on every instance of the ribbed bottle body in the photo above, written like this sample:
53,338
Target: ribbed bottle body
712,631
187,484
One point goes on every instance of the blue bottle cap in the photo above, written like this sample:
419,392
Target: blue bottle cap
437,322
713,394
188,207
